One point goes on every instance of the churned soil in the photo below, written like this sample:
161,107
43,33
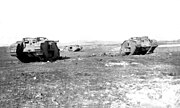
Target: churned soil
96,77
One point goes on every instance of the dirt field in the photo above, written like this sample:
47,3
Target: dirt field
96,77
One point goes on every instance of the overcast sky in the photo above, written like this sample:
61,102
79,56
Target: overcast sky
71,20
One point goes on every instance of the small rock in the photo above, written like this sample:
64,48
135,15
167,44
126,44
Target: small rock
80,58
93,55
108,83
85,93
103,54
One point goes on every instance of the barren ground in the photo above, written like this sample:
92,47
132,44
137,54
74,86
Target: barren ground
93,78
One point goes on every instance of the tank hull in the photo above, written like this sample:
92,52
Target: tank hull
138,46
32,50
144,50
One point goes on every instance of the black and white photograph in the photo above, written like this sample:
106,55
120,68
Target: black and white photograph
89,54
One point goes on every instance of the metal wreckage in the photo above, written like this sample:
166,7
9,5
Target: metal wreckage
42,49
138,46
35,49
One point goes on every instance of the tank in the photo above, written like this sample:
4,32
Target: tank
35,49
138,46
73,48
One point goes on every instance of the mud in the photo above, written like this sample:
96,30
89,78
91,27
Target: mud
80,80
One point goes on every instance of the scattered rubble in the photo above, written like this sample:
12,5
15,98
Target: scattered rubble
101,81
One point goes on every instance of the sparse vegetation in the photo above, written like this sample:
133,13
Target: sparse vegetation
94,78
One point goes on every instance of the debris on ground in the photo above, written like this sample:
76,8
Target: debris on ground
143,81
123,63
73,48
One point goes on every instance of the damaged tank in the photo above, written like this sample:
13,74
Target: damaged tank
35,49
138,46
73,48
